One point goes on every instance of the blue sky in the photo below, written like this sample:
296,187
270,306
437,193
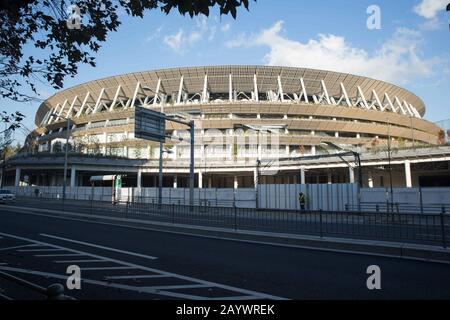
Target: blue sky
411,49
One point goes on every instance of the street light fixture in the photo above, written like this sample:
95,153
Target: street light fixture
66,153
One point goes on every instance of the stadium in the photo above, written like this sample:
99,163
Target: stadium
305,114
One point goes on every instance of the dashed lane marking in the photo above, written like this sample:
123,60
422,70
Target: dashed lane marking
100,247
22,246
39,250
137,276
80,261
59,255
108,268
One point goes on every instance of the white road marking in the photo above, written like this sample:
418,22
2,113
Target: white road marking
140,276
235,298
39,250
128,265
59,255
79,261
108,268
104,284
100,247
5,297
174,287
3,263
22,246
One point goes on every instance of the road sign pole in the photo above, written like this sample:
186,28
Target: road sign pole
191,166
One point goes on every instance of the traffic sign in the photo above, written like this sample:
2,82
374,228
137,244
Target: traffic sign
149,125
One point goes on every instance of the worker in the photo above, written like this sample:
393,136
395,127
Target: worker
302,200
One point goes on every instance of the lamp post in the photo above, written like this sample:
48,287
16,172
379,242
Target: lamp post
412,134
160,185
390,165
66,153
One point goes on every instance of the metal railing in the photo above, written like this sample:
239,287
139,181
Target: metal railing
398,207
52,292
426,228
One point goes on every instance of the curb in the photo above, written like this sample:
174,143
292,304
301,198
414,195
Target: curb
344,245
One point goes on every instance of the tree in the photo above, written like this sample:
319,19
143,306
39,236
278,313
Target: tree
68,33
12,121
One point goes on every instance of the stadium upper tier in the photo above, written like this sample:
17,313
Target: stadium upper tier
308,102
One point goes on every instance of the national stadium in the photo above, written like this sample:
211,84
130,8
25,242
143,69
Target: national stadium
290,121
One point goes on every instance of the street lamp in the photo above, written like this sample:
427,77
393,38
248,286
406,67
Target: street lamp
389,146
356,155
66,152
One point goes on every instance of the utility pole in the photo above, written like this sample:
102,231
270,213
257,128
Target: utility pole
390,166
2,183
191,164
65,158
65,154
160,178
160,175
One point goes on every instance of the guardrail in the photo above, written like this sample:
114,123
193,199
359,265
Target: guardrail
426,228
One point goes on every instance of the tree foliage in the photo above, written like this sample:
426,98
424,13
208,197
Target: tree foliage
46,26
11,121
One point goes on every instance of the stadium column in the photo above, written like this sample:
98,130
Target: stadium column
302,175
370,180
200,180
139,179
236,183
351,174
408,174
17,180
175,181
73,174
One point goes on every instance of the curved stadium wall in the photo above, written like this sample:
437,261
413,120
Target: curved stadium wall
308,108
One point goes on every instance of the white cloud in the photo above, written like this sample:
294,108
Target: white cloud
432,24
181,41
175,41
397,60
155,35
430,8
226,27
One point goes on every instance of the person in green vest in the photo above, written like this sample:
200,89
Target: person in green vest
302,200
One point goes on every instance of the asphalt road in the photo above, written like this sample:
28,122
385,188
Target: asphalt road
127,263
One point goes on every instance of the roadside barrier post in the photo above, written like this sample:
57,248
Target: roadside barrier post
173,213
321,223
235,216
444,240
